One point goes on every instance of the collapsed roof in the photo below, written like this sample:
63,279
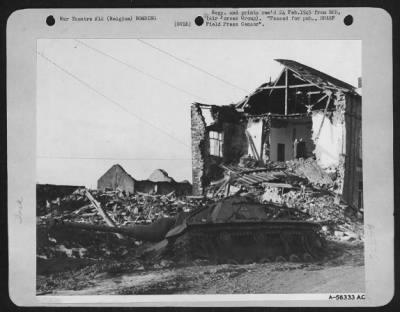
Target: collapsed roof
316,77
299,89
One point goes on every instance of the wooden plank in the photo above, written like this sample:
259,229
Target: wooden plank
265,175
252,145
276,81
248,180
323,118
194,197
242,181
304,85
252,180
298,76
256,177
286,90
281,185
102,212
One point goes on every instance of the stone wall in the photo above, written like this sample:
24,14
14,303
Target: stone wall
352,184
206,167
198,130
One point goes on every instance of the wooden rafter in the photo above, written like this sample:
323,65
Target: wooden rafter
286,89
305,79
305,85
276,81
298,77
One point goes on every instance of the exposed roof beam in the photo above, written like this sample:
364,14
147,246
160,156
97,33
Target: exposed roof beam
298,77
286,89
305,79
290,86
276,81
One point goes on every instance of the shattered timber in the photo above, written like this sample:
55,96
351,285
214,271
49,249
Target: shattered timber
277,186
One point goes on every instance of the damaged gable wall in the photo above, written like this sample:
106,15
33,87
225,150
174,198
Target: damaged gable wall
116,177
224,120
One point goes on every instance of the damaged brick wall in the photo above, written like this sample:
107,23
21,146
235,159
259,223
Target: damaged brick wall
198,131
338,145
225,120
352,183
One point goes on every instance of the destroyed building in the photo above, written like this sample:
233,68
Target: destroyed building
303,114
159,182
116,177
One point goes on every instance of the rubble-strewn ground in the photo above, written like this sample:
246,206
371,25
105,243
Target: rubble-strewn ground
342,272
74,261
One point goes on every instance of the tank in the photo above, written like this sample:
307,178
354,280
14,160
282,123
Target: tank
238,229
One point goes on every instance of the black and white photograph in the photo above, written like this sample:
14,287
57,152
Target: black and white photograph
199,166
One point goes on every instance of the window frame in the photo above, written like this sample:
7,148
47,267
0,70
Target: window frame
216,141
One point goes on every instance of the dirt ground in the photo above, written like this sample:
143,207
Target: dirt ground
341,271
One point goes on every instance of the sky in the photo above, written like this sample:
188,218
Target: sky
106,101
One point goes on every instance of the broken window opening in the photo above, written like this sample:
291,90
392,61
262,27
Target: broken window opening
281,152
215,143
301,150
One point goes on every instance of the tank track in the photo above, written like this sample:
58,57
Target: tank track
248,243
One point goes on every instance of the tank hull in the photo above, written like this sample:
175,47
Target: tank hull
248,242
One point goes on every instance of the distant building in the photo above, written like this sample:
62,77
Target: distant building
116,177
159,182
160,175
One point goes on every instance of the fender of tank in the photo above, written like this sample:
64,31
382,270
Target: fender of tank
237,229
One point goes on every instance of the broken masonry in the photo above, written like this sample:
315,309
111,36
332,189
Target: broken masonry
303,115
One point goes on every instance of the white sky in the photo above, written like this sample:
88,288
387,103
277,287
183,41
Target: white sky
152,129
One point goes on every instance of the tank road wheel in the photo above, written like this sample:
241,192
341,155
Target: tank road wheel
181,252
294,258
314,245
265,260
223,246
280,259
205,249
308,258
248,261
259,238
232,261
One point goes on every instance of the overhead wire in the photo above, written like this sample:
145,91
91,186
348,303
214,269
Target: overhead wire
192,65
139,70
110,99
105,158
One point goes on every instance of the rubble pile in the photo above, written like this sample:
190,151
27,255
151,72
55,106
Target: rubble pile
123,208
310,170
300,184
299,189
339,221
